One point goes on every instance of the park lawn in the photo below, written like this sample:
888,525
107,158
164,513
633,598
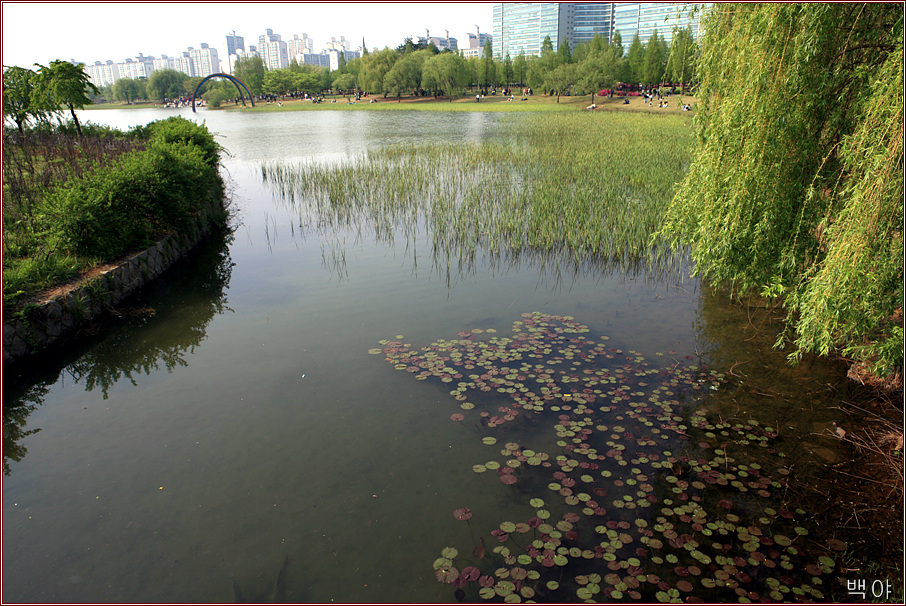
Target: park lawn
491,103
494,103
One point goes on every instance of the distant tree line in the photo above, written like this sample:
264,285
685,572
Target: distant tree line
410,68
590,67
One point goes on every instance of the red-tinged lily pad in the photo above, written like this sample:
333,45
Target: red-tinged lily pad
836,544
463,513
456,416
501,536
470,573
486,581
684,586
446,574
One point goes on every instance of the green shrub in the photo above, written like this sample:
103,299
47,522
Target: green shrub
104,210
119,208
180,130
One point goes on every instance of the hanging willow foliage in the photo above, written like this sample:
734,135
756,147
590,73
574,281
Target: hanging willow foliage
796,187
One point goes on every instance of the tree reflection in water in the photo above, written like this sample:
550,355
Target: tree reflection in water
125,346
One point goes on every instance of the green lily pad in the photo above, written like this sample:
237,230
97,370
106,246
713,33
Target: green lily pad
449,552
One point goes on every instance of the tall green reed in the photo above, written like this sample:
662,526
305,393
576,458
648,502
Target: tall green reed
567,189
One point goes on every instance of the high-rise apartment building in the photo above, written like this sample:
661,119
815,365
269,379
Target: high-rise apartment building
320,60
234,43
103,74
476,44
338,45
183,63
205,60
139,67
272,50
522,27
445,43
300,46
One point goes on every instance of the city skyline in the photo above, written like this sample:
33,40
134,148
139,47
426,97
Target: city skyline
115,31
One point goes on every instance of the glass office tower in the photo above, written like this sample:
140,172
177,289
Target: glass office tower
522,26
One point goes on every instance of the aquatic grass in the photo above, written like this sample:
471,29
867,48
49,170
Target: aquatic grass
565,189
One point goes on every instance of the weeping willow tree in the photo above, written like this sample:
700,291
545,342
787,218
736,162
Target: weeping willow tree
795,190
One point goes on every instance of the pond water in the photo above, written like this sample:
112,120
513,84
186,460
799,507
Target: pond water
234,434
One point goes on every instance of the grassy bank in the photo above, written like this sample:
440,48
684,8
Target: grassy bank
121,105
495,103
70,204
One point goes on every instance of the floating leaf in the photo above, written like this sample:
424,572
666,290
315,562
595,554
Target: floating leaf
446,574
463,513
836,544
487,593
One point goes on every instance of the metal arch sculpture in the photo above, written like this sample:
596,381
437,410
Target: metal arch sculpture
232,79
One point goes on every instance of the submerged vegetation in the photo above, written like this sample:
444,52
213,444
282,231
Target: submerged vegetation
796,190
570,188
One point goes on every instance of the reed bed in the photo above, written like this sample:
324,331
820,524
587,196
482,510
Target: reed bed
570,189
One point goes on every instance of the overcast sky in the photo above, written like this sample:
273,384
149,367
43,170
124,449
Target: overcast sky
39,32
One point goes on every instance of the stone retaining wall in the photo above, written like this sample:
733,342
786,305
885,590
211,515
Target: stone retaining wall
39,327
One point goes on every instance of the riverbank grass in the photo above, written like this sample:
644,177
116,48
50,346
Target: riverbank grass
71,203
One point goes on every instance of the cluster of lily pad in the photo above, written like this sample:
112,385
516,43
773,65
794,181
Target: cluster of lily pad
637,495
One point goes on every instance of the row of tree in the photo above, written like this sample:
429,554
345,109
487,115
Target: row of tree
590,67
